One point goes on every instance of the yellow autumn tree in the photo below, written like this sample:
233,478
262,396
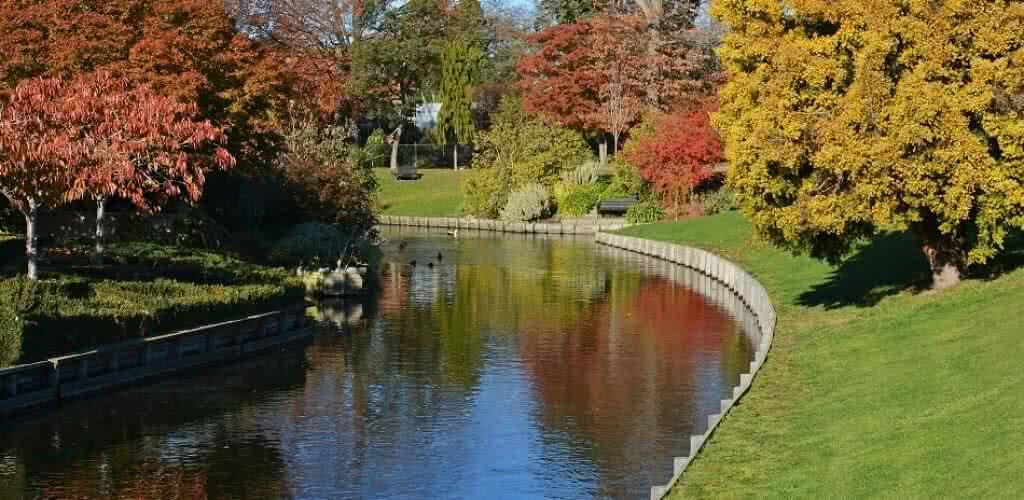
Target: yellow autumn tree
845,116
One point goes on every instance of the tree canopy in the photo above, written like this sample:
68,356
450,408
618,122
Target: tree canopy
841,118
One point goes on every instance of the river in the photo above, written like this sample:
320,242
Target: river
510,367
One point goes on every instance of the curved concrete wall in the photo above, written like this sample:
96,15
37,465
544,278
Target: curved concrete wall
746,288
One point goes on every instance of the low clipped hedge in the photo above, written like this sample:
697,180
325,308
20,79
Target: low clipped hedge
159,291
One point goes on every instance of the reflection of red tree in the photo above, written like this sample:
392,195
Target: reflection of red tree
394,288
625,377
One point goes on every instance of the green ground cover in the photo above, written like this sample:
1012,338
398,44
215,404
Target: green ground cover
435,194
874,388
144,289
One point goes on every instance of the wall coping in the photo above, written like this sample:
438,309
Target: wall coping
746,287
27,386
576,227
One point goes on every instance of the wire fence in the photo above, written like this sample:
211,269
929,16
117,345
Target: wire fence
430,156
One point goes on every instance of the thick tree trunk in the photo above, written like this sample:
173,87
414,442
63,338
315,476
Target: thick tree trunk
101,233
396,138
31,213
603,149
945,255
455,156
615,144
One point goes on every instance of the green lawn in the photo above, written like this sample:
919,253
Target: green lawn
873,388
435,194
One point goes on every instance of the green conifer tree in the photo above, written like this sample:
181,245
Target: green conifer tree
460,71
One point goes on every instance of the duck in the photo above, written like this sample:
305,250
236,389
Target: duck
413,263
402,244
439,256
430,265
454,233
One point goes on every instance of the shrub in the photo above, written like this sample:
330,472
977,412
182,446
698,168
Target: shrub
484,193
579,200
717,202
328,182
528,149
312,243
18,297
645,212
676,152
529,203
588,173
626,181
148,290
375,152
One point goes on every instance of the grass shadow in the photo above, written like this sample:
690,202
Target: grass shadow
1008,260
887,265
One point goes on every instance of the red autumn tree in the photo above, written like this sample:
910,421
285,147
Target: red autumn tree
138,145
35,156
187,49
96,136
594,75
676,151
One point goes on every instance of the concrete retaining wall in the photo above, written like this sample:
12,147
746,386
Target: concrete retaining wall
582,226
746,288
111,367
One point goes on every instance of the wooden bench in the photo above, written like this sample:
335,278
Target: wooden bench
616,205
405,172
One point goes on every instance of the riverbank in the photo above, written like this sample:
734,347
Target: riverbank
872,387
435,194
143,290
568,227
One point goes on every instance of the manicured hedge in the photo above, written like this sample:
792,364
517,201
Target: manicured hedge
145,290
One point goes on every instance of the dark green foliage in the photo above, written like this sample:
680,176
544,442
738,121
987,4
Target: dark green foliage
18,297
312,243
401,61
644,212
146,290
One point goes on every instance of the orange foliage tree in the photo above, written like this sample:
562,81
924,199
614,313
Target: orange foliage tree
593,75
675,152
187,49
96,136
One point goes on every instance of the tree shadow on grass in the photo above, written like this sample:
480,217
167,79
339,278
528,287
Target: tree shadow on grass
893,263
887,265
1009,260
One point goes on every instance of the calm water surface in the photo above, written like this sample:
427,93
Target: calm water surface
515,367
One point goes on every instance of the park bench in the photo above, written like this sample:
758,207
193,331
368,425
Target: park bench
616,205
405,172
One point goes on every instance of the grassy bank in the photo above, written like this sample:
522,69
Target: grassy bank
874,388
435,194
143,290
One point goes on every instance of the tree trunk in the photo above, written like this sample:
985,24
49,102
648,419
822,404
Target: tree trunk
396,138
603,149
31,214
455,156
101,233
944,252
615,144
653,43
